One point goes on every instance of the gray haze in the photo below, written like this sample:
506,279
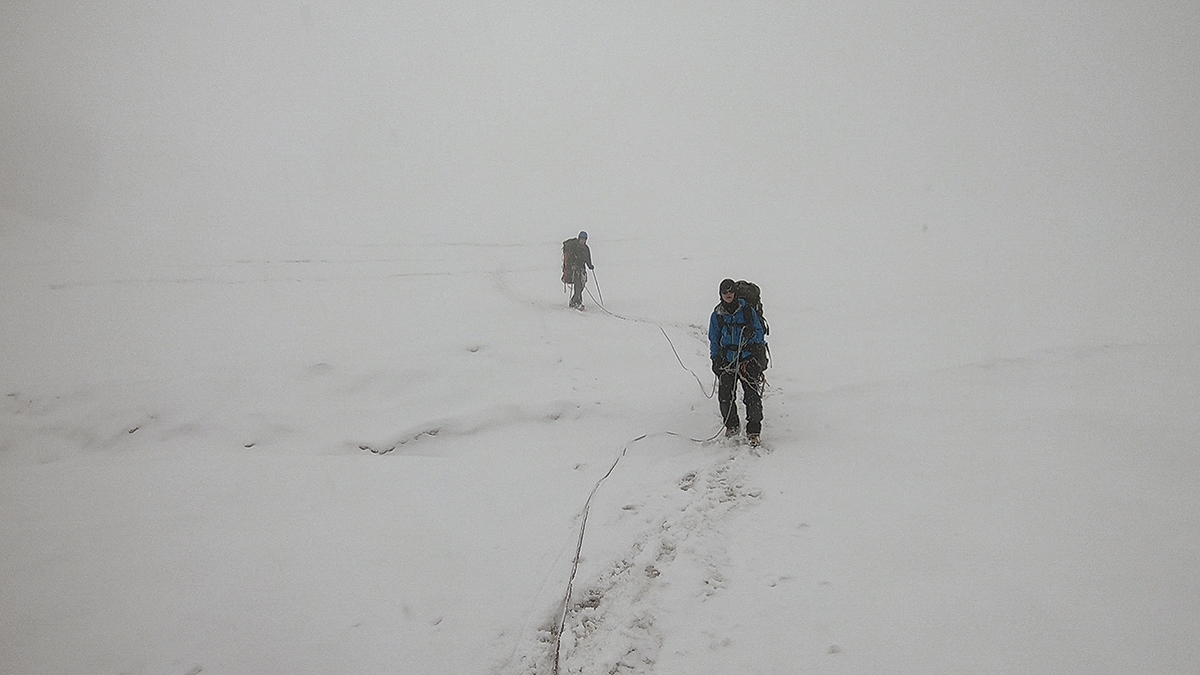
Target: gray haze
242,241
1036,159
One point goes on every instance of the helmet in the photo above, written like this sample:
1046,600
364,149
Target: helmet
582,234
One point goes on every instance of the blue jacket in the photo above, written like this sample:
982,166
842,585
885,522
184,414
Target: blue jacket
731,332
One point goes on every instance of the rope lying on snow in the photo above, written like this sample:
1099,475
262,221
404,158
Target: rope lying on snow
587,505
708,393
562,619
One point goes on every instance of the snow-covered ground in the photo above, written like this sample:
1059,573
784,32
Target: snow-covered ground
289,384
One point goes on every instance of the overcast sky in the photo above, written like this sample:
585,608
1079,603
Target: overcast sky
212,126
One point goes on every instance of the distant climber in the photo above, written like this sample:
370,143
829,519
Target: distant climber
577,260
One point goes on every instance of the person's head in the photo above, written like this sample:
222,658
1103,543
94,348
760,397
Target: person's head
583,236
728,295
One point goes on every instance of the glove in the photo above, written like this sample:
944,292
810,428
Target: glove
717,365
591,267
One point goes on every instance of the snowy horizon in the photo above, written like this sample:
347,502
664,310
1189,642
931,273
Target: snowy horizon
288,382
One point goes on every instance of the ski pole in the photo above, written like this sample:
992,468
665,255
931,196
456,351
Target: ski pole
598,291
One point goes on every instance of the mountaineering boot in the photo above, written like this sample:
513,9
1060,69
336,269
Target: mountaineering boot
730,432
753,440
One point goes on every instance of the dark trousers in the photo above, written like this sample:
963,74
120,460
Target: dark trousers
751,397
578,281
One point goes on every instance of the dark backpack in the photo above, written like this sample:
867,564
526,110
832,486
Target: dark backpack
570,251
752,294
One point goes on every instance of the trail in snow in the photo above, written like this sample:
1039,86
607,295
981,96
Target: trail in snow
654,544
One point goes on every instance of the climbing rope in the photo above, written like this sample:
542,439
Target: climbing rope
708,393
587,505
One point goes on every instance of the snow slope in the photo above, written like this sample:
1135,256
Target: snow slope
290,386
213,508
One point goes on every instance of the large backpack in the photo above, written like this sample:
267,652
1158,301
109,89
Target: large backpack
567,257
752,294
